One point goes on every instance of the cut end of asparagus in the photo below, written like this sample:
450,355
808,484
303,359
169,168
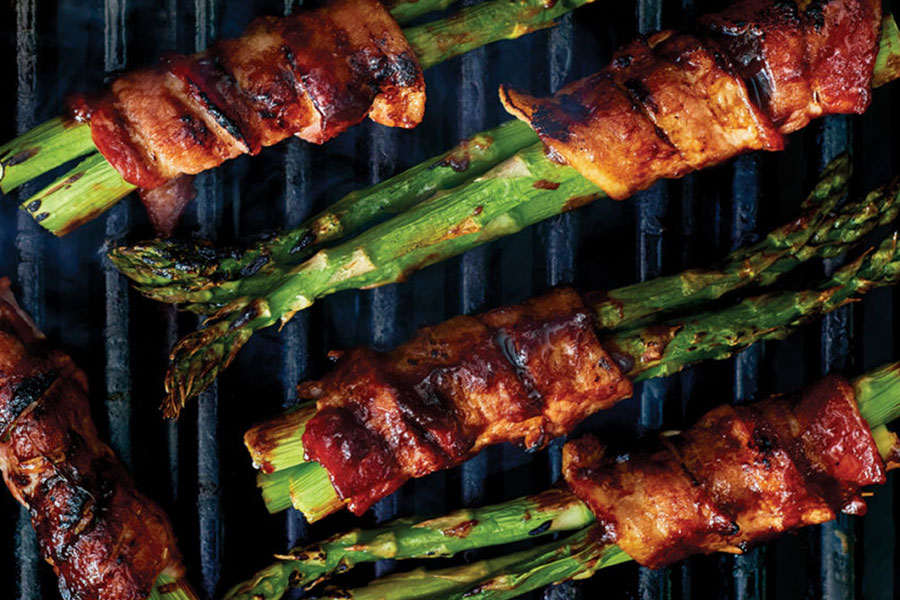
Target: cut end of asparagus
878,394
276,489
89,189
41,150
278,443
312,493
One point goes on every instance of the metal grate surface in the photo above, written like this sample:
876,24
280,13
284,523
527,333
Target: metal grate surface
198,468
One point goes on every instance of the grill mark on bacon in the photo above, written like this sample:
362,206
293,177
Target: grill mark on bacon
24,393
740,476
519,374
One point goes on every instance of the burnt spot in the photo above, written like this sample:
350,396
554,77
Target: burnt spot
458,161
622,61
34,206
26,392
641,94
308,239
546,121
258,263
247,315
543,184
22,156
404,70
543,527
195,130
462,530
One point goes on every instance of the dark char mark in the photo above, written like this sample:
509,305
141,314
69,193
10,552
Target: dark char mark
26,392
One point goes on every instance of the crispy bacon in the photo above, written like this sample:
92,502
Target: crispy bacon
741,475
103,538
674,103
312,74
521,374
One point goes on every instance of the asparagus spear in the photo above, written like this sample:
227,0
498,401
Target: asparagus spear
661,349
433,43
878,397
189,266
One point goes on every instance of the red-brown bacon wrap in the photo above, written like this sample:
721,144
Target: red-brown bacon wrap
521,374
103,538
312,74
741,475
676,102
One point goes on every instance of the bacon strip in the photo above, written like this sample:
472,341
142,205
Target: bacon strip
103,538
741,475
312,74
675,102
522,374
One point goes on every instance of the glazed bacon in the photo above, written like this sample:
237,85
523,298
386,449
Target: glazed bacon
312,74
103,538
522,374
677,102
741,475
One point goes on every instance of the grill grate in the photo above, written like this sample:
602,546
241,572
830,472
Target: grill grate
198,467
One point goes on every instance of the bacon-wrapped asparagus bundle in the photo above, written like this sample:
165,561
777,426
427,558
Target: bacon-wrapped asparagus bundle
676,102
312,74
738,477
102,536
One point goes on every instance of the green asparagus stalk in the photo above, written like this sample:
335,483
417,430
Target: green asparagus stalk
549,512
877,394
433,43
666,348
662,349
483,24
171,588
182,264
197,271
577,557
93,181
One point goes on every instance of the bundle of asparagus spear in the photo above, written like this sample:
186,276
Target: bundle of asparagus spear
508,183
653,327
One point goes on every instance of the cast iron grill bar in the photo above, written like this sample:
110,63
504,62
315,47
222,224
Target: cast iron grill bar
209,497
748,570
473,267
559,233
836,538
383,304
652,206
30,268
